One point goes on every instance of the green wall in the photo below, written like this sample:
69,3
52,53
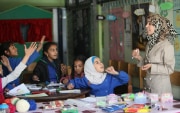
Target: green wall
46,4
25,12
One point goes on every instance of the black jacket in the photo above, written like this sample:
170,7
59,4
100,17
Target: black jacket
41,70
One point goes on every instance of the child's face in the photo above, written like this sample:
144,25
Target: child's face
99,66
12,52
52,53
78,66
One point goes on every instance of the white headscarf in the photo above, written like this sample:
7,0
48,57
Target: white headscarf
90,72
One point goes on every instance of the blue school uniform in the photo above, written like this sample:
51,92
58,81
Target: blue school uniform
14,62
106,87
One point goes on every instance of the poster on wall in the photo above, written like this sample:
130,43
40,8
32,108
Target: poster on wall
177,53
117,35
139,14
176,11
176,24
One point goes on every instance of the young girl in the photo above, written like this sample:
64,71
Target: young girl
100,83
9,50
77,70
17,71
48,68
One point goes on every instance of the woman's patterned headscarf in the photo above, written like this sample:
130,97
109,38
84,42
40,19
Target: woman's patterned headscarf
163,30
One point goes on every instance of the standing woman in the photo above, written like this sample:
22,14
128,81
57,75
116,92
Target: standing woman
159,60
48,67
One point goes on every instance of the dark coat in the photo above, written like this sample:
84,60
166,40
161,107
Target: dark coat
41,70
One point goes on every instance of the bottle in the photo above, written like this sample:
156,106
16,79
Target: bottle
4,108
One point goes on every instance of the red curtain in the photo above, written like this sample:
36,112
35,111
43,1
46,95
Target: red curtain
10,30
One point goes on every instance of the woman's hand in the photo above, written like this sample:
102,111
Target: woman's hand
136,54
111,70
146,67
70,86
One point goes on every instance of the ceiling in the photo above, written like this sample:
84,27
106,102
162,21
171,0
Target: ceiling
45,4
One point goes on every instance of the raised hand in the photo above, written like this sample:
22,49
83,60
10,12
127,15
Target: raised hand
29,51
40,45
136,54
111,70
5,62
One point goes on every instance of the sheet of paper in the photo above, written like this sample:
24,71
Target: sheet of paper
19,90
37,95
71,91
89,99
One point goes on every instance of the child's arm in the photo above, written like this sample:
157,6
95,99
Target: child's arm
78,83
22,65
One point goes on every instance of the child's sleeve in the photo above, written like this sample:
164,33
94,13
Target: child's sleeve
33,57
123,77
79,82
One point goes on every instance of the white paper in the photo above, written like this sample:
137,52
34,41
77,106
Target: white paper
19,90
89,99
37,95
71,91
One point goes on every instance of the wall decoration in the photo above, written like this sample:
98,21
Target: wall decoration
138,26
177,53
176,24
176,17
117,35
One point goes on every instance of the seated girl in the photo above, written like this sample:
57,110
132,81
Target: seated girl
100,83
9,50
48,67
77,70
17,71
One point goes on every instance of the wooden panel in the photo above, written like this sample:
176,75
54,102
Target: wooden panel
175,78
123,66
142,75
31,66
132,71
69,70
114,63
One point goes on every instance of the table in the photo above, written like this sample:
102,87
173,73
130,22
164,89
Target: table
89,109
59,96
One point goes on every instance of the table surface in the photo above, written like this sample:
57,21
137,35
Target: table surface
175,108
58,96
